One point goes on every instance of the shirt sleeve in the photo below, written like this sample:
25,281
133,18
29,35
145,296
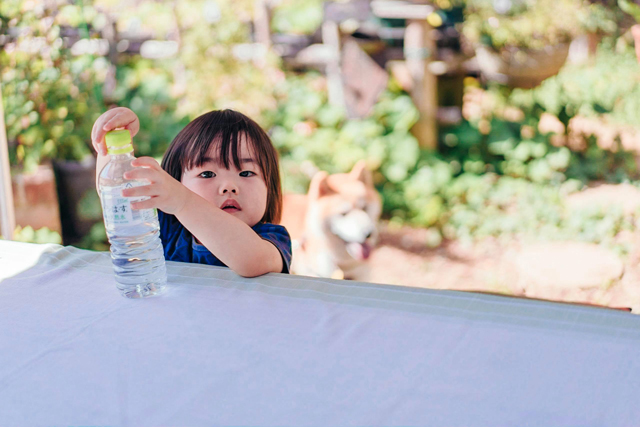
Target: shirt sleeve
176,248
279,237
164,221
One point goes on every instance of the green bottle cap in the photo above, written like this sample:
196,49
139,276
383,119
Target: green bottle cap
118,141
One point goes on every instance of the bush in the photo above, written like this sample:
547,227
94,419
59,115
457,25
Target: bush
42,235
609,87
308,129
491,177
51,98
534,25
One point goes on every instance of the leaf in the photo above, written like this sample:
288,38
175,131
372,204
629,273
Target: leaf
630,8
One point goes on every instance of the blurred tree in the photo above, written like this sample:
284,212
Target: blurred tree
51,97
217,64
222,67
297,16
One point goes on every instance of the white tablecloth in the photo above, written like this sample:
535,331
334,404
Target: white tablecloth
282,350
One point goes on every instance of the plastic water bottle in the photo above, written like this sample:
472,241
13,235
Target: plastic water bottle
134,235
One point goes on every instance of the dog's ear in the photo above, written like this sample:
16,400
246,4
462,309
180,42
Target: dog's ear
319,185
361,173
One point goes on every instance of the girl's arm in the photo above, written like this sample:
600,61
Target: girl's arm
119,117
227,237
230,239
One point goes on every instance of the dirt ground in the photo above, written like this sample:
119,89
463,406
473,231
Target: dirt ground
402,258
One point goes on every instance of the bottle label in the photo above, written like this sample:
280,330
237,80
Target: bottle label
117,208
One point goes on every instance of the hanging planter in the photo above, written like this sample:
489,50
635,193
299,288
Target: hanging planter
520,42
521,67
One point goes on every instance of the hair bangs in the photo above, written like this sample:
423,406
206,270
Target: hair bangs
224,140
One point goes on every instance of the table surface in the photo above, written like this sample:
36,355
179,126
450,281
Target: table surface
219,349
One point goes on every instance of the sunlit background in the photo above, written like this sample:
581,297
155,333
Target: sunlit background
502,134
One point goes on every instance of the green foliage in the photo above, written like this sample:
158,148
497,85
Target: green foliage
307,128
297,16
96,240
504,150
472,207
144,87
219,66
51,98
534,25
631,8
491,177
42,235
610,86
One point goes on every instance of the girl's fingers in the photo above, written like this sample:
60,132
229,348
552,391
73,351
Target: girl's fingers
146,162
100,132
145,204
102,122
96,137
119,117
122,119
93,133
142,173
148,190
100,147
111,124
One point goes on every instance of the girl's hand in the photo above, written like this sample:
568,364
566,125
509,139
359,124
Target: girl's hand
119,117
165,192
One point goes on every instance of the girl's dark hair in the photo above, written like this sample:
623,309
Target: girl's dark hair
190,147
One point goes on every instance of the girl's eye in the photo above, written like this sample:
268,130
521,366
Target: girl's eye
247,174
207,174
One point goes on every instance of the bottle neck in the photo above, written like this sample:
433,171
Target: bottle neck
122,157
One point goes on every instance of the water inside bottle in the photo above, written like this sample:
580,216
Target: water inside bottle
136,249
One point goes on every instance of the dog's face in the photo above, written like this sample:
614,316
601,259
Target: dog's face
346,209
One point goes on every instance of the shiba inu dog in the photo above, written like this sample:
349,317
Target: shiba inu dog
334,226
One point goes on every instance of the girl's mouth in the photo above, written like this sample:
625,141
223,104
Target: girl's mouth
231,209
230,206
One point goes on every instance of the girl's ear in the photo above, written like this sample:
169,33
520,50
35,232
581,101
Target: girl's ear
361,173
319,185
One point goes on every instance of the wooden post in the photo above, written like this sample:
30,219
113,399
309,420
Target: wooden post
331,38
7,214
110,33
261,22
419,49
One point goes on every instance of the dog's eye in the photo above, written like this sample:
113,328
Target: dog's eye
344,208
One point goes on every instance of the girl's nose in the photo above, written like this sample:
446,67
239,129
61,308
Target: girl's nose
228,187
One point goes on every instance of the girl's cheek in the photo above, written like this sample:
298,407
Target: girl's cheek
190,184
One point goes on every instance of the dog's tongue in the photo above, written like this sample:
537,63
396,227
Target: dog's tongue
359,251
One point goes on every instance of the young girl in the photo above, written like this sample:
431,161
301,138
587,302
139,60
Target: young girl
217,192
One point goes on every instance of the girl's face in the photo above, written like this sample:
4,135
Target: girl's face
241,193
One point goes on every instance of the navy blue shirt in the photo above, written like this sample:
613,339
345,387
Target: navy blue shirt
179,244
